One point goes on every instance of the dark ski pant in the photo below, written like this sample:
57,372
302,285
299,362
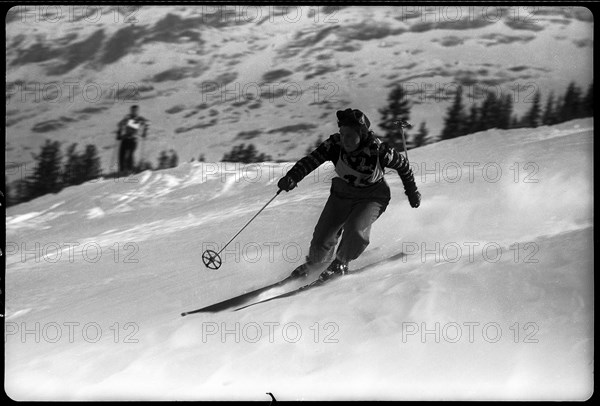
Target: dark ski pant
126,155
349,213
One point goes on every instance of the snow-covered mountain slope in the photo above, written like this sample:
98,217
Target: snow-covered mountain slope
210,77
493,298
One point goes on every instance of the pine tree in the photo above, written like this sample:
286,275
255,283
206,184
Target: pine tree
532,118
514,122
71,174
505,111
471,121
173,159
571,103
46,177
587,103
163,160
558,107
91,163
420,137
398,109
488,113
23,189
143,165
249,154
232,155
80,168
549,115
262,158
20,190
454,122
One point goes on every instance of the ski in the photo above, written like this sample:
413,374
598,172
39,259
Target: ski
289,284
240,300
319,282
313,284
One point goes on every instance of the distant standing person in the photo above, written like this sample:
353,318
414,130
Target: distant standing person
129,129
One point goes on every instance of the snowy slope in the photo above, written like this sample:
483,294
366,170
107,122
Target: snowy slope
94,313
279,72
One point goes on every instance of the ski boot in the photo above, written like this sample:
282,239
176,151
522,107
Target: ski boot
302,270
337,267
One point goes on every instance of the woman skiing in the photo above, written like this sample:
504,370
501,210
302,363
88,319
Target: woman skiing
359,193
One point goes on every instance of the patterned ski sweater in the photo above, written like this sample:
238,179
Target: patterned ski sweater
360,168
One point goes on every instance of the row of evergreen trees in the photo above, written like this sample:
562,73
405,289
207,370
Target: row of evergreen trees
497,112
493,112
245,154
51,175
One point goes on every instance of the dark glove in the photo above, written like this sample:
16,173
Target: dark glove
414,198
286,183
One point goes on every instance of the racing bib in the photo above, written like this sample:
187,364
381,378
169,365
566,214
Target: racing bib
362,174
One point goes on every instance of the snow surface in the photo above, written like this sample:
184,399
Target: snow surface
104,323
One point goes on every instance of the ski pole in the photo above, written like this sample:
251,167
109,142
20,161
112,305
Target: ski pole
402,124
212,259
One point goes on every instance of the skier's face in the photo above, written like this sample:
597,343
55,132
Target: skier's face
350,137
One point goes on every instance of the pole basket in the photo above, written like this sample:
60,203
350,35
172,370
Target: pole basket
211,259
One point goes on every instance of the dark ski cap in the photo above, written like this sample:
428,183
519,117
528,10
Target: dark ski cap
352,118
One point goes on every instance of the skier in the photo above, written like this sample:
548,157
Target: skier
359,193
128,130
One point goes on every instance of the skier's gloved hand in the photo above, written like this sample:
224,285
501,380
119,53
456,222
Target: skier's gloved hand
286,183
414,197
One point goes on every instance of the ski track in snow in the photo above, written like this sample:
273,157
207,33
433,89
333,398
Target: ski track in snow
358,337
